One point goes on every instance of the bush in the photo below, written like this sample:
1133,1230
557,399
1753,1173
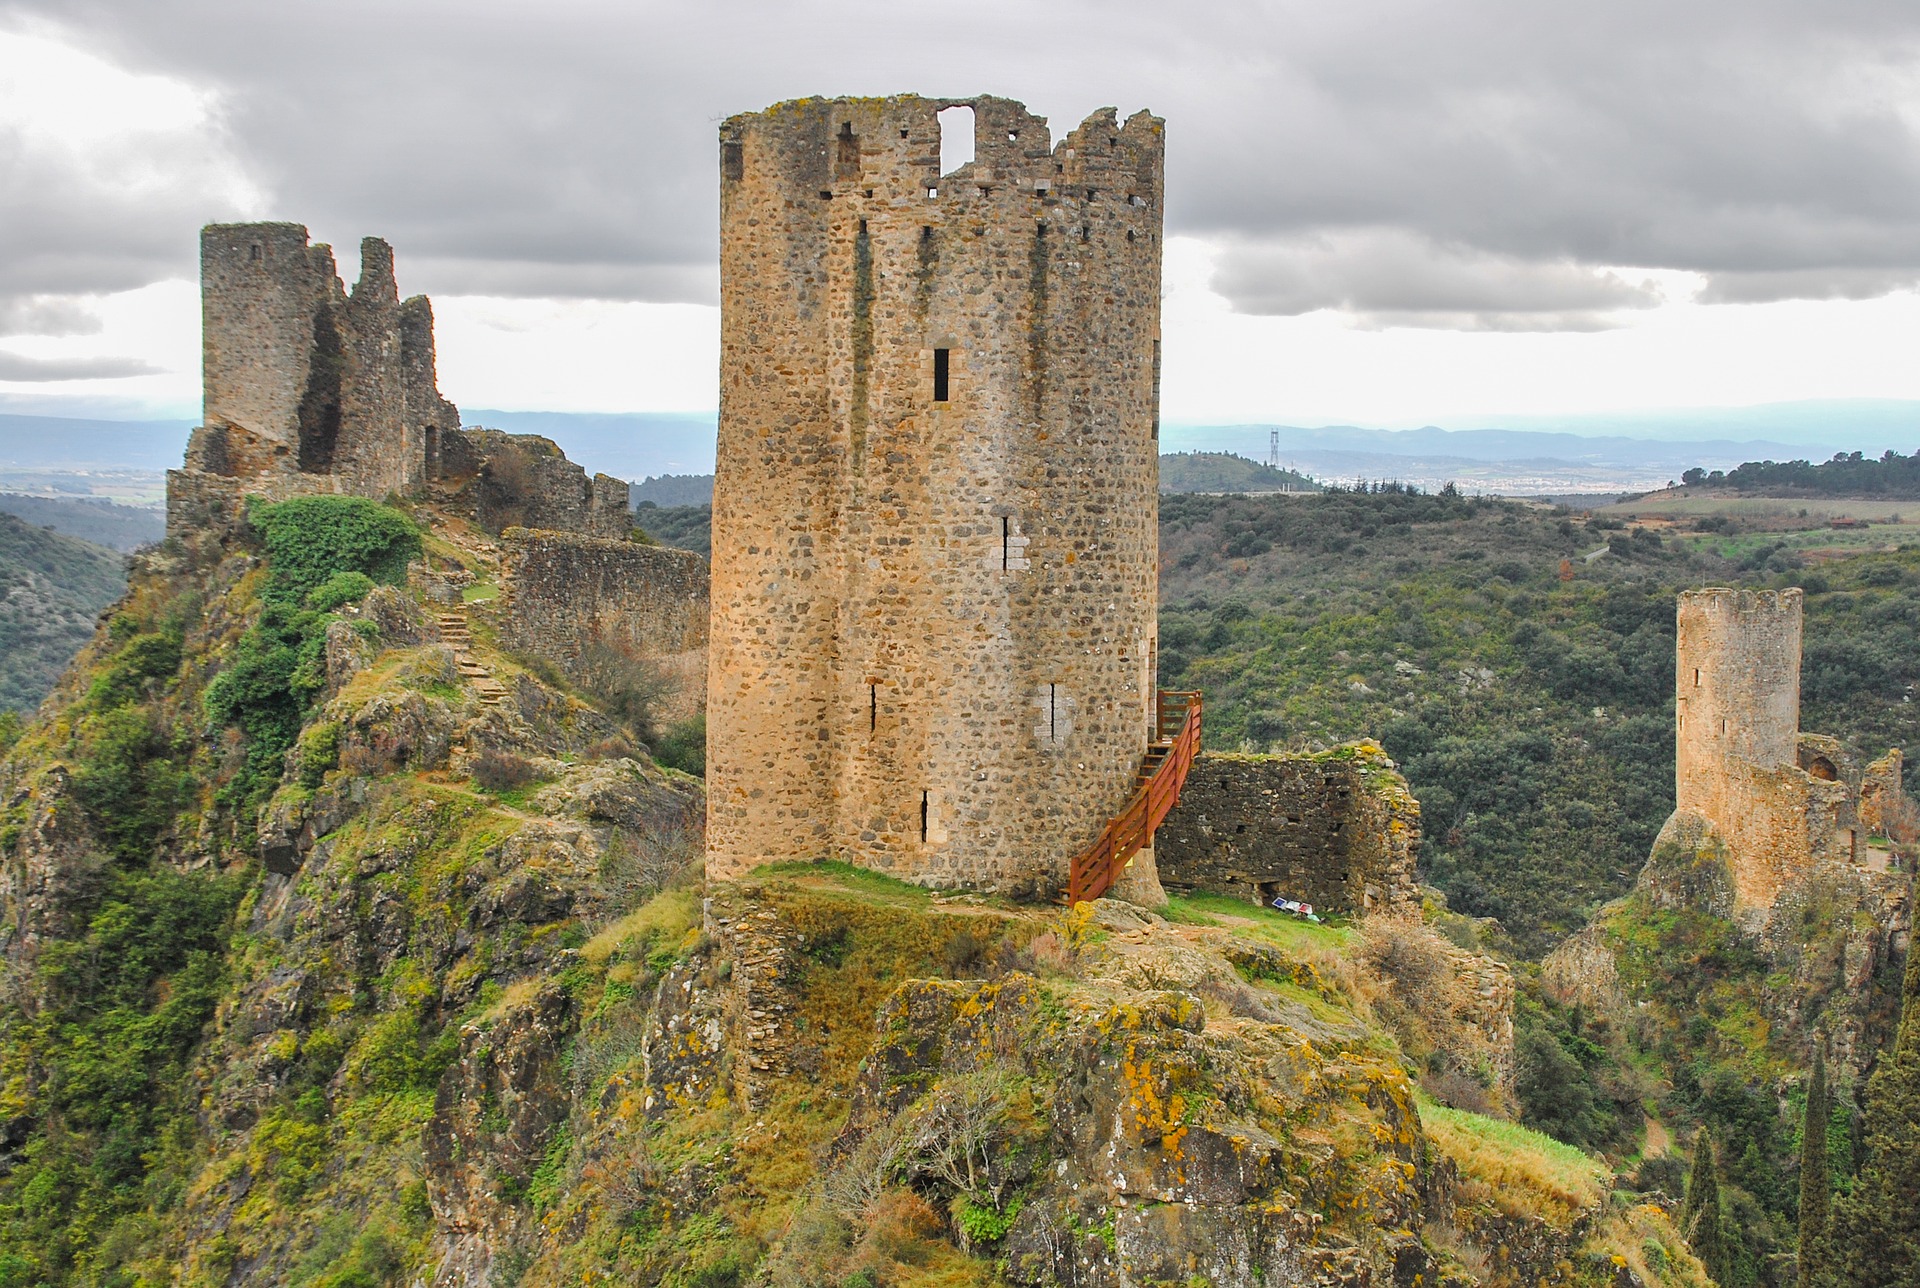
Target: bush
311,538
501,771
684,747
341,588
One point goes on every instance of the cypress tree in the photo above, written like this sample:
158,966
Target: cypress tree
1700,1212
1874,1237
1816,1177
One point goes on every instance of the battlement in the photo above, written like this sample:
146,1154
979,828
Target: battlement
934,514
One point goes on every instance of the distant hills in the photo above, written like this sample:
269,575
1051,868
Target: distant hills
52,588
1523,455
119,527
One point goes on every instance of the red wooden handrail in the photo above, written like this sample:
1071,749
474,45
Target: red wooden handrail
1176,728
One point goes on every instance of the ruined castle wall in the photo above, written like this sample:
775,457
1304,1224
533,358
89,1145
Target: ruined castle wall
526,481
261,290
1339,831
934,618
307,389
563,594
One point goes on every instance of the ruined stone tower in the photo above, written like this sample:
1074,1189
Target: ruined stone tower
1737,731
934,528
300,376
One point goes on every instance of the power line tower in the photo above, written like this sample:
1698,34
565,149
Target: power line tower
1273,449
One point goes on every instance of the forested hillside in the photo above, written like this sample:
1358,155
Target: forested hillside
52,588
1517,661
122,527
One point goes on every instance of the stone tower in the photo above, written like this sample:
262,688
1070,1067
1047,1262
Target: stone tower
301,377
1737,731
934,526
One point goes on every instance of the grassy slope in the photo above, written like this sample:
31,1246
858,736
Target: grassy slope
52,587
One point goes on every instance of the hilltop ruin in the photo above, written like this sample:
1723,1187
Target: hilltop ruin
311,390
1781,800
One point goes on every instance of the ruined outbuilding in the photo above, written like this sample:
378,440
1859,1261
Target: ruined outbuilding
1336,829
934,520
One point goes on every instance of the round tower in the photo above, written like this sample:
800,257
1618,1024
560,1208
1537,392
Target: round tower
934,524
1737,685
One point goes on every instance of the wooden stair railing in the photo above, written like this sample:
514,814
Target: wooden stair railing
1163,771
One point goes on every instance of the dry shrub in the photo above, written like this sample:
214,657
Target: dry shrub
1460,1090
901,1226
638,863
501,771
1241,1000
852,1189
628,688
966,954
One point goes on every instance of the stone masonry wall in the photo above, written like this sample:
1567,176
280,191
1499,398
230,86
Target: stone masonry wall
1737,730
933,619
307,388
1338,830
526,481
563,593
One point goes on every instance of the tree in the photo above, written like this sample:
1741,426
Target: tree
1816,1177
1874,1238
1700,1219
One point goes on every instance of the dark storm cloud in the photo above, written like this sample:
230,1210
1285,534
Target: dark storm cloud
1471,164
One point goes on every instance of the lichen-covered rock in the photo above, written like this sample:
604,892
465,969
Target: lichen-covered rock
496,1112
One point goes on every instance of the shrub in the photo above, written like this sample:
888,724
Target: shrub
628,688
501,771
311,538
684,747
341,588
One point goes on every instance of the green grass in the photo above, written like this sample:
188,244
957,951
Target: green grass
1281,929
1523,1171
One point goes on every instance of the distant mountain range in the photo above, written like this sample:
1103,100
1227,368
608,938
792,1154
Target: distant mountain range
1514,454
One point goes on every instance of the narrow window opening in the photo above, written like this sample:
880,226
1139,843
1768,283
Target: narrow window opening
1723,726
941,368
1086,232
1053,712
256,251
956,138
1013,136
1006,540
869,194
1129,234
826,194
932,192
925,803
848,160
863,225
873,707
903,134
732,160
1696,677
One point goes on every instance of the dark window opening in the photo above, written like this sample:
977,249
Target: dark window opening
1013,136
873,707
903,134
1006,540
1086,232
1129,234
256,252
1723,724
941,368
732,160
826,194
863,226
1823,769
924,803
869,194
1696,677
1053,712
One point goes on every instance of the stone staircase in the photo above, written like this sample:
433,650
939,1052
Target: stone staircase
455,635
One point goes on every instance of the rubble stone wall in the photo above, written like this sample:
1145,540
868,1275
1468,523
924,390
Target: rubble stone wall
934,517
1338,830
563,593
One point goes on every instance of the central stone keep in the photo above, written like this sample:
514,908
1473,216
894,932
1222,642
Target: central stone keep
935,517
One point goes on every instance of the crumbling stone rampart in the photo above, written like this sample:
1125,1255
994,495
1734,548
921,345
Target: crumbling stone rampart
934,516
1338,830
311,389
565,594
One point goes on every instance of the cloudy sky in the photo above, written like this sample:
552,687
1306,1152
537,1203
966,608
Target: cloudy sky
1383,211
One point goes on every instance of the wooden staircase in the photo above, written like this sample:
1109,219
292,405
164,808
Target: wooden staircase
455,634
1163,772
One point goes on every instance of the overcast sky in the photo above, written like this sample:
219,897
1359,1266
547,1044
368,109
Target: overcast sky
1384,211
